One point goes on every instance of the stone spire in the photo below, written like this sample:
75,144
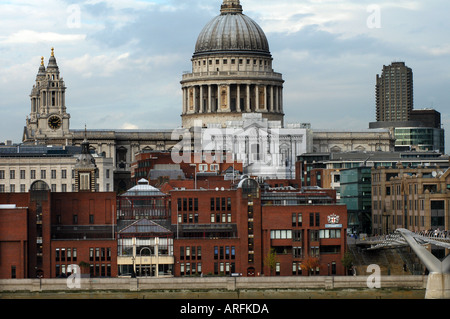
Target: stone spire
41,68
231,6
52,65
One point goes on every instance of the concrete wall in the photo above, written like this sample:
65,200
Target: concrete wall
210,283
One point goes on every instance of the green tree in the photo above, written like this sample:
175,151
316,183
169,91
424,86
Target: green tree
347,261
271,260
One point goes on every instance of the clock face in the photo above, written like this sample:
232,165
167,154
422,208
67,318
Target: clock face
54,122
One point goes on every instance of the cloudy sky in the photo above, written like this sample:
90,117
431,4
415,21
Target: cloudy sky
122,60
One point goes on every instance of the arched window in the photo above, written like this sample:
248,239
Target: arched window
39,186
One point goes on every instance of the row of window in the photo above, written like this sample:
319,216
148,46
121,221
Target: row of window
233,61
53,187
43,174
187,269
226,268
65,254
194,252
74,219
296,235
220,203
224,252
70,254
187,204
192,218
398,221
95,270
101,254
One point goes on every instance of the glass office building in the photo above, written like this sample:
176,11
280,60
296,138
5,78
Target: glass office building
420,138
356,193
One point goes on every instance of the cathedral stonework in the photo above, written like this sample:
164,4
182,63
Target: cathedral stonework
231,72
48,117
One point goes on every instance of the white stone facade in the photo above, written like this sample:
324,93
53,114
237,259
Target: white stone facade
17,174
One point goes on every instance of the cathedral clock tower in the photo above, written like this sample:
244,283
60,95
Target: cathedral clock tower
48,119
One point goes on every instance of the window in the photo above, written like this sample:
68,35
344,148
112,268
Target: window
53,174
64,174
297,252
33,174
22,174
188,252
84,181
281,234
297,235
2,174
12,174
43,174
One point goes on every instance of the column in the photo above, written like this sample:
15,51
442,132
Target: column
229,97
218,99
200,100
248,98
183,98
276,99
195,99
265,98
238,98
256,97
209,98
281,99
272,99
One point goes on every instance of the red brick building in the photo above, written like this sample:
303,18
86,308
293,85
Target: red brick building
225,231
159,167
46,232
13,241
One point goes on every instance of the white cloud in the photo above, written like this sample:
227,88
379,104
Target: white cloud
129,126
33,37
104,65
